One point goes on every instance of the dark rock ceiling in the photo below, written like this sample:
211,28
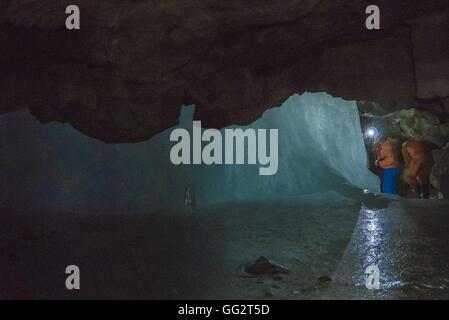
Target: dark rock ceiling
125,74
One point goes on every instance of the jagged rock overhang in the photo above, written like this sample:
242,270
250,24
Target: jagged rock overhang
125,74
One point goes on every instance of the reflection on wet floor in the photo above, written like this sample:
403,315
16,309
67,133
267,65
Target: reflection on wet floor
326,242
411,260
373,240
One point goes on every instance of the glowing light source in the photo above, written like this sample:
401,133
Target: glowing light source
372,133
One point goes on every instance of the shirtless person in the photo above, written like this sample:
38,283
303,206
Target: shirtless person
418,161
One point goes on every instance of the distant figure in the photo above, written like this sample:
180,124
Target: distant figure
189,196
418,160
388,160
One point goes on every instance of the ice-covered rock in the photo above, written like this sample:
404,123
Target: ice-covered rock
320,148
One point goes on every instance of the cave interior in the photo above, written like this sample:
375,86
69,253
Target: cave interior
85,123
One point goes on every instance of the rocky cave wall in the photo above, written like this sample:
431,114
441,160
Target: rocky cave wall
124,76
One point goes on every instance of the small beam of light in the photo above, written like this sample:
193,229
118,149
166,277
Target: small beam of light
372,243
371,133
372,232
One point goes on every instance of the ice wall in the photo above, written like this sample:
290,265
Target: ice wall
320,148
53,166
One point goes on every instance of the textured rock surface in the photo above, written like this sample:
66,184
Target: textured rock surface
411,124
126,73
440,172
431,55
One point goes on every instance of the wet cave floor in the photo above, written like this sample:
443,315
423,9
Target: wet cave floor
326,241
